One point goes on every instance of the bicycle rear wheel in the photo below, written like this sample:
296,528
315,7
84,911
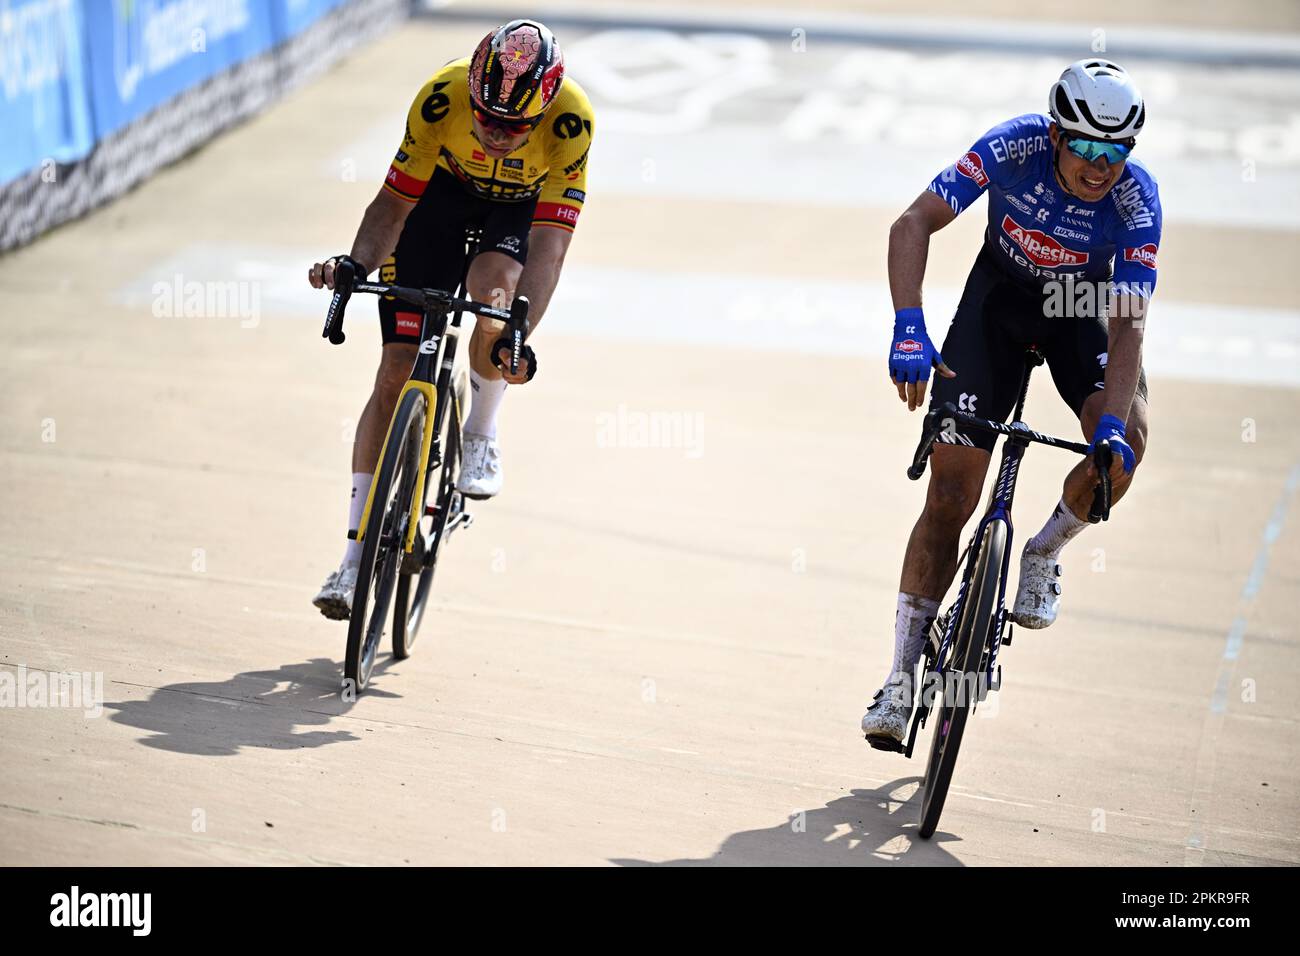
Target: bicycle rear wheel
960,687
381,553
448,504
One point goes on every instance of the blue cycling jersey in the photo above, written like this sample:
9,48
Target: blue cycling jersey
1039,232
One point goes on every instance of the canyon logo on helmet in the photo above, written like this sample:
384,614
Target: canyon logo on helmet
516,71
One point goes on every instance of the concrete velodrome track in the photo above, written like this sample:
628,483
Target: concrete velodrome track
655,646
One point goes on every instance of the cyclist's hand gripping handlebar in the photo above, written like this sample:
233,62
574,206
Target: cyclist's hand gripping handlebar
345,273
513,340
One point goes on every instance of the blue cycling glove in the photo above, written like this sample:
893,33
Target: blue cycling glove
912,353
1111,429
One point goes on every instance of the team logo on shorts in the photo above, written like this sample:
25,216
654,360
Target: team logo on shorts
509,243
408,323
972,167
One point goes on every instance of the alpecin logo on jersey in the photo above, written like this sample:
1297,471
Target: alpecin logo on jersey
909,345
1142,255
1040,248
972,167
1127,197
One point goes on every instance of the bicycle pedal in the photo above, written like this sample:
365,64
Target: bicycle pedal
885,743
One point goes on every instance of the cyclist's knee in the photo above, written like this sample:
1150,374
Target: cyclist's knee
956,480
492,279
394,369
952,497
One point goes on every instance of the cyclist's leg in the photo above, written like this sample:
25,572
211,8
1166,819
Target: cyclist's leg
494,274
428,255
1078,364
987,365
1135,434
492,279
1077,359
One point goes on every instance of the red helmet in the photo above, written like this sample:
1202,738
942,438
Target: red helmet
516,71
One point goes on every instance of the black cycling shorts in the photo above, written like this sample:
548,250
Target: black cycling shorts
431,251
985,345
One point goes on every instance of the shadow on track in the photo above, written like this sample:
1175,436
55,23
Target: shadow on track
252,709
849,831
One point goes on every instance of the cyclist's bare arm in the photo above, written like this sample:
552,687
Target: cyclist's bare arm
376,237
547,246
1123,359
909,247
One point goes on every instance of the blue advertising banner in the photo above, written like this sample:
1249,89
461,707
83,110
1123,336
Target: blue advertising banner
44,106
144,52
294,16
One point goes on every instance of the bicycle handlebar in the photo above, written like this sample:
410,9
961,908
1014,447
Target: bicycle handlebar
428,300
947,416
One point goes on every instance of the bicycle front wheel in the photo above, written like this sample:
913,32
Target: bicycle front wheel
960,680
381,552
413,589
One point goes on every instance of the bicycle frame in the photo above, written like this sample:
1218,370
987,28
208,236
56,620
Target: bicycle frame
439,337
999,509
1019,436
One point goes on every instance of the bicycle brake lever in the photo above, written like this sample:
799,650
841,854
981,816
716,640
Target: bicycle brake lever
518,330
1100,510
344,276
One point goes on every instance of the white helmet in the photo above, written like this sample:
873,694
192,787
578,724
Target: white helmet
1097,98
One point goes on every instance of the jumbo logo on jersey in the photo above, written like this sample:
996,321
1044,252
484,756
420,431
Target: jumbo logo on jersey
972,167
1041,248
434,107
1142,255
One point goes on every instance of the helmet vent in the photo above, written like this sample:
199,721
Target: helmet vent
1064,108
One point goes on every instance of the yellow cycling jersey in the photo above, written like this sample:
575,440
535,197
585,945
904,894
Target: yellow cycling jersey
551,165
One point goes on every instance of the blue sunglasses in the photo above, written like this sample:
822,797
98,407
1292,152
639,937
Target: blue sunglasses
1090,149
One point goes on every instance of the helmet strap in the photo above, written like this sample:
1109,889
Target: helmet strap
1056,169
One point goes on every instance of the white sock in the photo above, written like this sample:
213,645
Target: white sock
911,624
484,405
1060,528
360,489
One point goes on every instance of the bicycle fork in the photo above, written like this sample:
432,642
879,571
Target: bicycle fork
939,643
426,443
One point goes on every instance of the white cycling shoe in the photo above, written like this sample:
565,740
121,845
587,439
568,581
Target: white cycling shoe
1038,595
480,467
887,717
335,598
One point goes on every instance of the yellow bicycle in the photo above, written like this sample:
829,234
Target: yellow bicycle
421,450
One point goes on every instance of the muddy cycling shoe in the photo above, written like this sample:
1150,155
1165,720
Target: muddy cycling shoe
480,467
886,719
335,598
1038,596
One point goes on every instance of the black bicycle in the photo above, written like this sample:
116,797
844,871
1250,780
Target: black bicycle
961,655
422,450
